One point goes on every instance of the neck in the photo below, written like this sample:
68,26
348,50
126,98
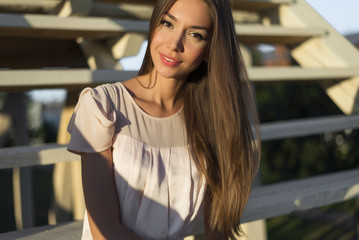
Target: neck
164,92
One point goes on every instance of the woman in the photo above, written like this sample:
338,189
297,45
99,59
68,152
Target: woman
176,142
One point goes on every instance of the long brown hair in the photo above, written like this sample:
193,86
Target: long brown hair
221,120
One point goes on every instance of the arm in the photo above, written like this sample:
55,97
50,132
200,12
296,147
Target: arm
101,197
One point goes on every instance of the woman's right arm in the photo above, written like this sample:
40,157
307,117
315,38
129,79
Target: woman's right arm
101,198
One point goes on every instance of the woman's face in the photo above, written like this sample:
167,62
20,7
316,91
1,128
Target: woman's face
180,42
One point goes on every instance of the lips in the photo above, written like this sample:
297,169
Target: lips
168,61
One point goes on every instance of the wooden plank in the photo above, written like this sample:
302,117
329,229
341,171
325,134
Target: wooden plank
299,195
98,55
33,6
69,78
243,13
35,25
151,2
36,6
259,5
80,78
65,231
74,8
306,127
54,153
46,26
129,45
143,9
344,94
333,50
122,10
266,1
265,202
330,51
35,155
278,74
138,2
276,34
246,5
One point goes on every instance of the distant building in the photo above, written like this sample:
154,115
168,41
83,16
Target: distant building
354,39
279,56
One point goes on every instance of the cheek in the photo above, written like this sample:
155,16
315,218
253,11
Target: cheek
158,39
197,53
154,45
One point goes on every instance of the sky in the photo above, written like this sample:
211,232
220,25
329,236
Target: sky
343,15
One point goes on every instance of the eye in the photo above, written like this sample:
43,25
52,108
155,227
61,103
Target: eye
197,36
166,23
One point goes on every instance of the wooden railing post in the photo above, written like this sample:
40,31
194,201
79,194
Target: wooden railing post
357,217
68,197
15,106
23,198
255,230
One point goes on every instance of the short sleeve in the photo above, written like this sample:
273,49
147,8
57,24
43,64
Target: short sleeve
92,124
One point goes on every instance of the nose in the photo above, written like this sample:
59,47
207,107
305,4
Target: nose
175,42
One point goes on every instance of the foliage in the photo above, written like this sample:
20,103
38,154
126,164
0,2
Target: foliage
306,156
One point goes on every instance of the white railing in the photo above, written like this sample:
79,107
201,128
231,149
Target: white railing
265,201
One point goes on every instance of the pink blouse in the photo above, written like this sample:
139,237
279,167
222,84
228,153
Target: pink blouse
159,187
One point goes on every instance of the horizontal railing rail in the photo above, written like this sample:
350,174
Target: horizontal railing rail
307,127
299,195
71,78
45,154
265,202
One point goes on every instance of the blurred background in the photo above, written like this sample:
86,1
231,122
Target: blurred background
282,160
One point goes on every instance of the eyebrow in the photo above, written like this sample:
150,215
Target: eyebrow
194,26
